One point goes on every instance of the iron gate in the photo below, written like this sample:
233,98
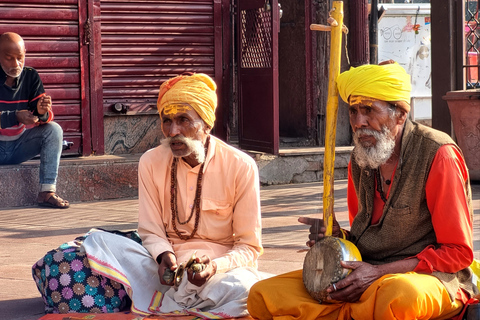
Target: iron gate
472,36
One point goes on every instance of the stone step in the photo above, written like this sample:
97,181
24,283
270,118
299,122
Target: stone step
300,165
115,177
79,179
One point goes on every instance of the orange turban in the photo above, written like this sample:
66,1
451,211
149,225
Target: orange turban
197,90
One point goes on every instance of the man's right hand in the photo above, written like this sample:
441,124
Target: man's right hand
317,229
26,117
168,261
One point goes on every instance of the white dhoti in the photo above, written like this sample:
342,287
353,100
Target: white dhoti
125,261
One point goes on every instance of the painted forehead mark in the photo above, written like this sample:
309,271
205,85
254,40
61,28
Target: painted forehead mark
359,100
176,108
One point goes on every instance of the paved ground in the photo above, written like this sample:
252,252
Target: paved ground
26,234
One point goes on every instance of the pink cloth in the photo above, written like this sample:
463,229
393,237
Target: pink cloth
230,227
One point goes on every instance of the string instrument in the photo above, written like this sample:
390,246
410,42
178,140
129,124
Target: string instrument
321,267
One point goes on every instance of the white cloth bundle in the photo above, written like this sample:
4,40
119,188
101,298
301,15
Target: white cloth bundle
124,260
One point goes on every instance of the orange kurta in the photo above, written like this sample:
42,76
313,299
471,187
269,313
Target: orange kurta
229,230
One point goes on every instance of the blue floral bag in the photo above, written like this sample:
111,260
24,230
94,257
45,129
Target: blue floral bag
67,284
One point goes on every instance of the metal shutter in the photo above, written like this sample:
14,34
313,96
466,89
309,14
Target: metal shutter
145,42
51,33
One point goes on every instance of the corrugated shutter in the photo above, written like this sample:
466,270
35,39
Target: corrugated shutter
51,34
145,42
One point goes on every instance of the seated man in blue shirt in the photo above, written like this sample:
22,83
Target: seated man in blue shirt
26,127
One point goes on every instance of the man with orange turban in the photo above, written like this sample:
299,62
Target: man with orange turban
410,212
199,216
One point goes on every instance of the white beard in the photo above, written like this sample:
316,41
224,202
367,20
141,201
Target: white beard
373,156
194,147
13,72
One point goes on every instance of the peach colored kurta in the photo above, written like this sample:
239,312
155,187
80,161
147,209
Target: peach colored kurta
229,230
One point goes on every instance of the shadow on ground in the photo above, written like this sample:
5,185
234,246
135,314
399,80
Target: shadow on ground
16,309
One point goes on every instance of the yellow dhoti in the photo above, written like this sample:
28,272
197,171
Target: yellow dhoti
394,296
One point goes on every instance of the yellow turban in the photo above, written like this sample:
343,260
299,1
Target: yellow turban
387,82
197,90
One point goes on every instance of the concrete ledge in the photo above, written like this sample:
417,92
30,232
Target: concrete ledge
300,165
115,176
79,179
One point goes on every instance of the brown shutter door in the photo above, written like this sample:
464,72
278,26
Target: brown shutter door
51,34
146,42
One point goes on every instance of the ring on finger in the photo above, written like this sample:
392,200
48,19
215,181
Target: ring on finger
334,287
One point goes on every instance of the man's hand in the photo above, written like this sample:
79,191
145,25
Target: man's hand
26,117
169,261
44,105
354,285
363,275
317,229
200,278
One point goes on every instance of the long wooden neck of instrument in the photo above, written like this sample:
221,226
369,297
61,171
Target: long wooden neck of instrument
331,115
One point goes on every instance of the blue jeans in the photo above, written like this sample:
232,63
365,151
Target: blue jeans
45,140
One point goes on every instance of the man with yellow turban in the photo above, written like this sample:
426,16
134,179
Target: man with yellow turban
199,216
410,213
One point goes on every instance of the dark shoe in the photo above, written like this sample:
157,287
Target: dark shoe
52,200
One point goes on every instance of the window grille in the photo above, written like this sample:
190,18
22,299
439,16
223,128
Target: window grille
472,37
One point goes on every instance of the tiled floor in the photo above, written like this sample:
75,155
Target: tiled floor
26,234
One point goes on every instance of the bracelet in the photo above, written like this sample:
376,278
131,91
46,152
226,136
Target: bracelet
344,234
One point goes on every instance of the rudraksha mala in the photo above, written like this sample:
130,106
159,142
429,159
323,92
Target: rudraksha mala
196,201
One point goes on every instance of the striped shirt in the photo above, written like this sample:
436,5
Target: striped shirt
23,95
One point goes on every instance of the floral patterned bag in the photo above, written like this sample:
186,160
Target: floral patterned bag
67,284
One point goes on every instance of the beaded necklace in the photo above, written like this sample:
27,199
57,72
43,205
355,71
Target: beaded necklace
379,178
196,201
379,185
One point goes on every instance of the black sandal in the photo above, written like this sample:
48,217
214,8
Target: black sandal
52,201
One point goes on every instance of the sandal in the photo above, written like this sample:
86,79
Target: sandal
52,200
